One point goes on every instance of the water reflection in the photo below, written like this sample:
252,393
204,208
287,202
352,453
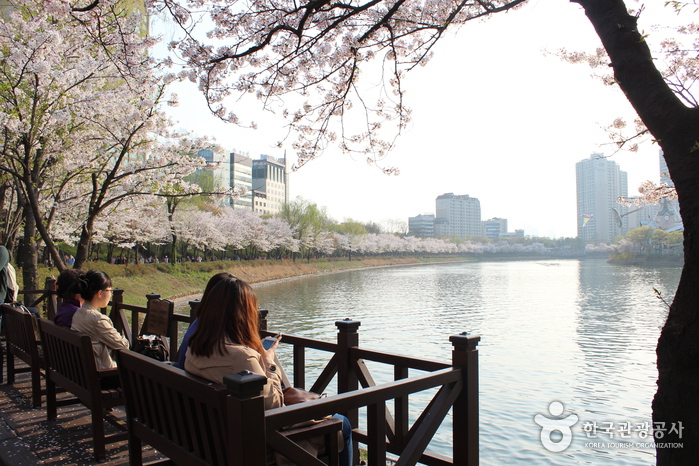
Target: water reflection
582,333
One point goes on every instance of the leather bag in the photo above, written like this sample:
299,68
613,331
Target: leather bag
152,346
293,395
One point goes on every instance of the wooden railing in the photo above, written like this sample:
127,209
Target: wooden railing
127,318
381,429
386,430
47,296
130,325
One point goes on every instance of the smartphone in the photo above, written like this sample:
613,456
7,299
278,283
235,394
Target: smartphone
267,342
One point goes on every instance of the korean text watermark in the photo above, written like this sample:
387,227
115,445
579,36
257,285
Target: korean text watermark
557,432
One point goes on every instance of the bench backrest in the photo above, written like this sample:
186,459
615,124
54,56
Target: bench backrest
70,360
158,317
180,415
19,332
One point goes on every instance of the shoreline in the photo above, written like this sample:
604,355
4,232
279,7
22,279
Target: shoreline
179,299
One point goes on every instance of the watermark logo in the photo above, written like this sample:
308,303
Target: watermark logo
560,425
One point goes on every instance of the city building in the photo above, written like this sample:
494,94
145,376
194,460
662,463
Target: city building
422,226
233,171
457,216
600,183
495,228
667,215
512,234
270,184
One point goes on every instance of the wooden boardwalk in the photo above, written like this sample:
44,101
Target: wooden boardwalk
26,438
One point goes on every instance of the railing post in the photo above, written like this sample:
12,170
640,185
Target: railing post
118,315
51,298
193,309
245,409
347,337
465,409
263,318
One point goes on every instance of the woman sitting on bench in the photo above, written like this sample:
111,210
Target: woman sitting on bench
227,341
95,288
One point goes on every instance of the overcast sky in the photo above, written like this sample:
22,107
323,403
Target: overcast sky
494,117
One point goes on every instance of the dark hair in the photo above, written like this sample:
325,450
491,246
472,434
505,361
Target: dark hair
92,282
215,280
228,312
67,283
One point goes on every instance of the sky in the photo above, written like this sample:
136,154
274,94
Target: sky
494,117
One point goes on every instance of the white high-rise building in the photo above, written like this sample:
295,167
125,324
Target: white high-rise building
457,216
270,184
600,183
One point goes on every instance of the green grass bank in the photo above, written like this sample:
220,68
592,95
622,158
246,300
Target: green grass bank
188,278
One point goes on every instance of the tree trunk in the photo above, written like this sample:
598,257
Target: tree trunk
83,246
676,127
30,273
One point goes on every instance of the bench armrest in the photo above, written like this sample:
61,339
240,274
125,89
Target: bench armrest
102,373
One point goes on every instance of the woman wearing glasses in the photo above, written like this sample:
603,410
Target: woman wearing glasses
95,288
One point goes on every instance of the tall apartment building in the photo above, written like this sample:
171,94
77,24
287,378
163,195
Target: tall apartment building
600,183
270,184
495,228
457,216
422,226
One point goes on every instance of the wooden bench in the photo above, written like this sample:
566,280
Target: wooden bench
23,344
196,422
70,364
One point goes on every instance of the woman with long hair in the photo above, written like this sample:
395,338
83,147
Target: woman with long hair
95,288
227,339
213,281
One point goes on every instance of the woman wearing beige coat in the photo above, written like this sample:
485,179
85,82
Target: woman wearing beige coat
96,289
227,339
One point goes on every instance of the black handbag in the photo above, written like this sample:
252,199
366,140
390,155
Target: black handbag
152,346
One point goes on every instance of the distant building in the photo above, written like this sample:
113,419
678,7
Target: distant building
513,234
457,216
495,228
422,226
233,171
667,214
269,184
600,183
241,177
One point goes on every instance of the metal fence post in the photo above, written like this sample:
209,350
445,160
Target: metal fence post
465,409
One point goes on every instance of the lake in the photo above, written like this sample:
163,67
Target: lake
559,339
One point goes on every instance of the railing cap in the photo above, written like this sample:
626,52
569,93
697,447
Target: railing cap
347,324
465,341
150,296
245,384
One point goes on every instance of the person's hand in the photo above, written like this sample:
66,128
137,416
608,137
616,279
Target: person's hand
268,354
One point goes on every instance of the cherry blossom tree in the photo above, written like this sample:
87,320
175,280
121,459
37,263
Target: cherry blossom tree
80,118
318,50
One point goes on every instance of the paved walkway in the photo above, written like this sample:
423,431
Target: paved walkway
26,438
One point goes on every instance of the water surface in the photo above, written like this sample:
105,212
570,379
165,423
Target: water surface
582,333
